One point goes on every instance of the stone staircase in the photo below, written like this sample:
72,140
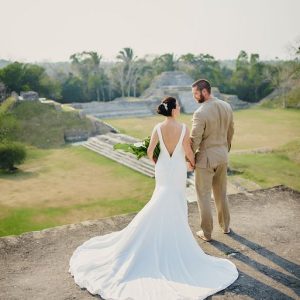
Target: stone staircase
116,108
103,144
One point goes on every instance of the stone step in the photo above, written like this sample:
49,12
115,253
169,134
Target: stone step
128,156
121,157
118,155
114,138
116,158
123,137
123,113
105,144
128,163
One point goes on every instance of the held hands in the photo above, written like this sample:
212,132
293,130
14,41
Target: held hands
190,166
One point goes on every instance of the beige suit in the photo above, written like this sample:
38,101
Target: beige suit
211,135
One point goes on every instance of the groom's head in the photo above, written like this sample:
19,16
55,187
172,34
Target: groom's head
201,90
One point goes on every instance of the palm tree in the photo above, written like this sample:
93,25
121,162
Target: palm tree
94,60
127,58
87,63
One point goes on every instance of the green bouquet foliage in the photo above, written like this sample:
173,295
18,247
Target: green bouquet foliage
139,149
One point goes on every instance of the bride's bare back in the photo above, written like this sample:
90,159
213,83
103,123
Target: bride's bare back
171,133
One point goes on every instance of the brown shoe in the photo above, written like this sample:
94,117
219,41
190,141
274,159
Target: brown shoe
201,235
228,231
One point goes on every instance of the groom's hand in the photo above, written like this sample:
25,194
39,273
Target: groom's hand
190,166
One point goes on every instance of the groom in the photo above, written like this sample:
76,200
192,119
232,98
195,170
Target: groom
211,136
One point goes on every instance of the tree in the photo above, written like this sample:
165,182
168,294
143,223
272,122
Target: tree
164,63
23,77
12,76
251,79
289,71
2,91
125,70
72,89
142,72
87,66
202,66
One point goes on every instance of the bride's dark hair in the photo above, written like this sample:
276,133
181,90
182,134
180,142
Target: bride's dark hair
166,106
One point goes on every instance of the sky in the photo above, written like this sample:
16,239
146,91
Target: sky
52,30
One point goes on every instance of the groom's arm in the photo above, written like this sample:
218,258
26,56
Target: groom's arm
230,131
198,127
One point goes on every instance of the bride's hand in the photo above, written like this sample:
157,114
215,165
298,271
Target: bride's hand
190,167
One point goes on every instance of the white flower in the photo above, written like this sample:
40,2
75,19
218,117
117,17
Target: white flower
138,144
165,105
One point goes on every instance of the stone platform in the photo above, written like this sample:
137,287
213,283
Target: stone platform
264,245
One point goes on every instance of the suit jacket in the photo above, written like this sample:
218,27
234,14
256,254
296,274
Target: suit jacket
212,131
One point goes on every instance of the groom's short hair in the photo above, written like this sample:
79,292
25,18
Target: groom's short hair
202,84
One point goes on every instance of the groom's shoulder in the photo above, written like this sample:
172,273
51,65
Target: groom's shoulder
199,109
223,102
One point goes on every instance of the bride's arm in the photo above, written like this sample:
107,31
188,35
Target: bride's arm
188,148
152,144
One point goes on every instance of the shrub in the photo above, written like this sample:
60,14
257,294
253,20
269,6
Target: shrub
11,153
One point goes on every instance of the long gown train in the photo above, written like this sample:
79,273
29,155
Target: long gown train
155,257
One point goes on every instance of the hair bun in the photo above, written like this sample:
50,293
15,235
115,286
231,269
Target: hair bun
161,109
166,106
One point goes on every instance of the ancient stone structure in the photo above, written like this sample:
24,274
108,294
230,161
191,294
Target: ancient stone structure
74,135
120,107
178,84
175,83
29,96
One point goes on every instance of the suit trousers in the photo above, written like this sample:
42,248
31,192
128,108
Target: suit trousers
207,179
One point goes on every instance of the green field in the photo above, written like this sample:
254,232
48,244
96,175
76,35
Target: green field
255,128
281,166
68,184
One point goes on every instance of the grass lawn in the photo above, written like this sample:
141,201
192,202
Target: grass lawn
68,185
71,184
257,127
254,128
281,166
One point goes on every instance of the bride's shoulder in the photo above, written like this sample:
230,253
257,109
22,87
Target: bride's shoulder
186,128
184,125
156,125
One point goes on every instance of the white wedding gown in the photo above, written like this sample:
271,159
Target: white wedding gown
156,255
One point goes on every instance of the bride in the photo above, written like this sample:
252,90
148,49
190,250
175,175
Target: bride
155,257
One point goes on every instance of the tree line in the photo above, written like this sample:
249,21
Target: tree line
89,78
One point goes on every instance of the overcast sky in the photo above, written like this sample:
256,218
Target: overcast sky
52,30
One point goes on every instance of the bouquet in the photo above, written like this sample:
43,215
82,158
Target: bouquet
139,149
